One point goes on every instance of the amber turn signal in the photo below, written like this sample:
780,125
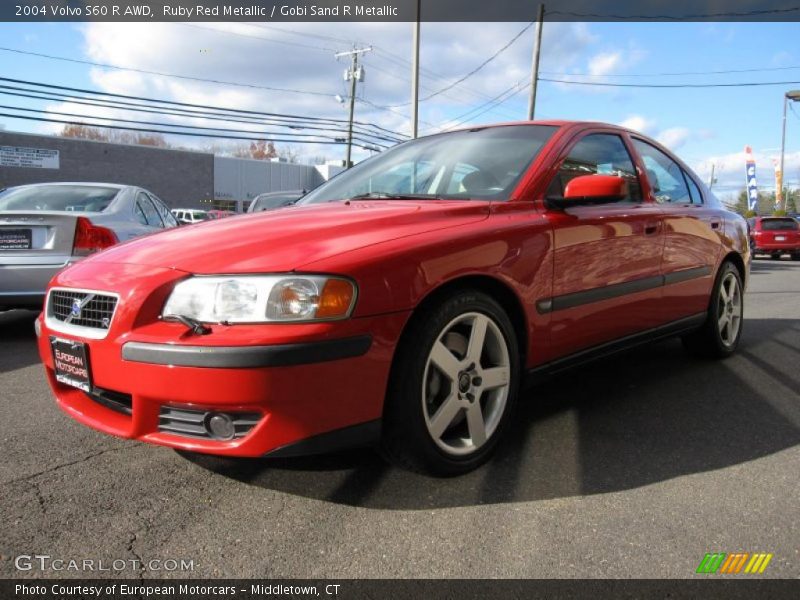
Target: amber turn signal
336,299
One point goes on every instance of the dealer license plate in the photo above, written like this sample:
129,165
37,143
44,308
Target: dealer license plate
71,361
16,239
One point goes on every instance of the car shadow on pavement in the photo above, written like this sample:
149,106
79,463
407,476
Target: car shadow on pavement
17,326
625,422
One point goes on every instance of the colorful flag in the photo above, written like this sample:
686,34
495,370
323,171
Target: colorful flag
778,185
750,179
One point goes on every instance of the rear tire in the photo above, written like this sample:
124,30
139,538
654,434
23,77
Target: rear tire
453,387
796,256
720,334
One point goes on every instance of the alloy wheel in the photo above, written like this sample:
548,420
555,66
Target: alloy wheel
729,309
466,383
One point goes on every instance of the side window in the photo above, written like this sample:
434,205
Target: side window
598,154
163,211
694,190
665,176
139,212
150,212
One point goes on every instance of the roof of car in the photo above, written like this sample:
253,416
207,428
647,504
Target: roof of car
551,123
116,186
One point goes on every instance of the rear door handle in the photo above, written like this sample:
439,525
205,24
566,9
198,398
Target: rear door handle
715,224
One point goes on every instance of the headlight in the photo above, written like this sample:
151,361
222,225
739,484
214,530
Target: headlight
268,298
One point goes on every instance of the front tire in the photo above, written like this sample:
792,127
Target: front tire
720,334
453,386
796,256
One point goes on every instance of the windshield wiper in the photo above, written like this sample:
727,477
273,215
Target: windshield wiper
195,326
392,196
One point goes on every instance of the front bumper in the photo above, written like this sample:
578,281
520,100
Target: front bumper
296,382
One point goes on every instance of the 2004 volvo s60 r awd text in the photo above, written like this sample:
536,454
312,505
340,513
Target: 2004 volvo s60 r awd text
402,303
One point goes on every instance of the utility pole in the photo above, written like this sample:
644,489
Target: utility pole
537,47
794,96
353,74
415,75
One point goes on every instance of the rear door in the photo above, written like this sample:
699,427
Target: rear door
692,230
607,258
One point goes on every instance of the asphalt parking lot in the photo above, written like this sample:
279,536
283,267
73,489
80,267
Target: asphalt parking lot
633,467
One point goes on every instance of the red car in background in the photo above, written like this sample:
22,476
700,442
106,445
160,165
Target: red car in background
775,236
404,302
220,214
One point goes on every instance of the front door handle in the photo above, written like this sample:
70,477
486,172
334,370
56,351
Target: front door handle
715,224
651,227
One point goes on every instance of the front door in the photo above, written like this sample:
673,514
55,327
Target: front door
607,258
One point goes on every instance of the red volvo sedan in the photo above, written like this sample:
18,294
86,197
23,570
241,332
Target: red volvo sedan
403,303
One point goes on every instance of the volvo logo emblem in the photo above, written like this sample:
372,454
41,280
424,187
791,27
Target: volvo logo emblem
76,309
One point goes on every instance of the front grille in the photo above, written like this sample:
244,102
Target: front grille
84,309
117,401
192,423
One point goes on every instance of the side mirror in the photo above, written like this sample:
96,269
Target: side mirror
591,189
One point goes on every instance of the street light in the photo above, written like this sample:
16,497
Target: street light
794,96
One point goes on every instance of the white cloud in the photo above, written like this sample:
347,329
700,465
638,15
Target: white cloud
638,123
605,63
300,56
674,137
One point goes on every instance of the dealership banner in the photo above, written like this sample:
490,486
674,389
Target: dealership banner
778,185
397,10
750,179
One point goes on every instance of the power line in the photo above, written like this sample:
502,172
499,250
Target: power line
669,85
265,134
454,97
183,133
179,112
396,60
502,97
723,72
258,37
201,106
162,74
473,71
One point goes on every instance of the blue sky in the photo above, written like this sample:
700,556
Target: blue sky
701,125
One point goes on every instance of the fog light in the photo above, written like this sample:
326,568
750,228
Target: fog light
220,426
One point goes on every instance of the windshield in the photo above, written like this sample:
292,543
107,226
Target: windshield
480,164
71,198
267,201
779,225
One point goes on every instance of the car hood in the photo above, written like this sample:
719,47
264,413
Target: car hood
287,239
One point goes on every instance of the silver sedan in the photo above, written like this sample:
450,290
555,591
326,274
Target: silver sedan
46,226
